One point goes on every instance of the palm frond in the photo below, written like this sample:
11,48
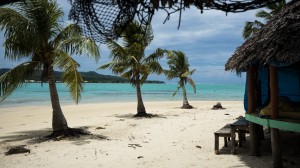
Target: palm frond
264,14
185,74
136,33
170,54
178,65
158,54
15,78
80,45
170,74
251,27
177,90
148,35
134,59
144,78
277,7
70,74
136,50
51,27
116,67
133,81
127,75
129,59
119,69
69,31
192,83
19,33
192,71
117,51
105,66
154,67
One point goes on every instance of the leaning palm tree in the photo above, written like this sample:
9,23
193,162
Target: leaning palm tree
129,60
180,68
251,27
33,32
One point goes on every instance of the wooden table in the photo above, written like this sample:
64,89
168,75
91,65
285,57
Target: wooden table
241,126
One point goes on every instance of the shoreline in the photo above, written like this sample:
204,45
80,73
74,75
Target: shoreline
71,103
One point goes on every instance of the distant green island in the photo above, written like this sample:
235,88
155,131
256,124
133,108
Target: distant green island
88,77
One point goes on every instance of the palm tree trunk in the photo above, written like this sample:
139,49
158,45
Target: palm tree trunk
59,122
141,111
185,101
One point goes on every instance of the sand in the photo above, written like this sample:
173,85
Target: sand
177,138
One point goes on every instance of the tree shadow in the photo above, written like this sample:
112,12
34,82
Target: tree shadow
39,136
133,116
30,136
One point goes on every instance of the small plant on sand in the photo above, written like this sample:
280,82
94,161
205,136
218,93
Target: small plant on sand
33,32
179,67
129,60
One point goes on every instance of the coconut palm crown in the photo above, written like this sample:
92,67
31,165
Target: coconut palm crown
129,60
34,32
179,67
251,27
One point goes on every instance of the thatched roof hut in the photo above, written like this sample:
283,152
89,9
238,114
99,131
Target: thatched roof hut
277,41
271,58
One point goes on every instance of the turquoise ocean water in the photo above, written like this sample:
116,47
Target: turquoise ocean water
35,94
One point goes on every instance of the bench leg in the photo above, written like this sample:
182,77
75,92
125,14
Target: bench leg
216,144
233,150
225,141
240,138
244,136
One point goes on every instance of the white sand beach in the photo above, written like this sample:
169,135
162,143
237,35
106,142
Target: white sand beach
177,138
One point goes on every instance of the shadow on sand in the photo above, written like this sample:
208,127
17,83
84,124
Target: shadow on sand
290,146
132,116
40,136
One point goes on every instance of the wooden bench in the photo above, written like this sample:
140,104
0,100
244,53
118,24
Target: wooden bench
223,132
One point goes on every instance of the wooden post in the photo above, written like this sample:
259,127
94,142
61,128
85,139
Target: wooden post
251,107
233,150
250,90
275,135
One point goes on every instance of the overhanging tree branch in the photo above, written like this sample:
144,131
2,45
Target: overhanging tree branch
105,19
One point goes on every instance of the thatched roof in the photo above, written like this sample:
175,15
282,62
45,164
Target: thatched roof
277,41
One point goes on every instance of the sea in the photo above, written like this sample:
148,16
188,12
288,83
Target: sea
38,94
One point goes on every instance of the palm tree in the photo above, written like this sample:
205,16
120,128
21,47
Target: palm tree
129,60
251,27
180,68
33,32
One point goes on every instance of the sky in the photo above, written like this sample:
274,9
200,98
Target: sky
207,39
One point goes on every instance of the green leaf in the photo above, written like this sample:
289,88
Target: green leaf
70,74
70,40
192,83
177,90
15,78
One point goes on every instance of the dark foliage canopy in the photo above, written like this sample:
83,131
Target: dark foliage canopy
102,19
